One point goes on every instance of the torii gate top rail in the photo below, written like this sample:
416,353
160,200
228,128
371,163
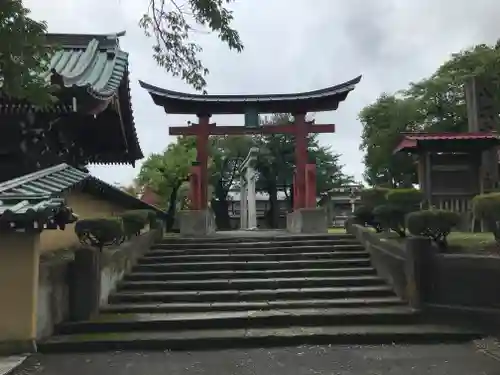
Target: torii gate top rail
326,99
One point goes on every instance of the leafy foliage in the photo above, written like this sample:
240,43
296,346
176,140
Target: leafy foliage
100,232
165,173
487,207
24,55
383,121
134,221
171,26
373,197
435,224
435,104
363,215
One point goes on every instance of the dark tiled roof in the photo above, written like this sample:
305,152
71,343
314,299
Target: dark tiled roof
91,62
411,141
311,101
52,182
48,182
34,213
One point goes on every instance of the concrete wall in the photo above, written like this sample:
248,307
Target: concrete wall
461,286
54,292
85,206
18,292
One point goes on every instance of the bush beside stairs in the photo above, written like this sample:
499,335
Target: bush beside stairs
188,294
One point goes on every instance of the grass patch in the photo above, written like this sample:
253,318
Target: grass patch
336,230
476,243
458,242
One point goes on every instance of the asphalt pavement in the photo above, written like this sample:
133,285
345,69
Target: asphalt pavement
460,359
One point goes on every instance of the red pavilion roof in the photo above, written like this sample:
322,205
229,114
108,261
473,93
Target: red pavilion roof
411,141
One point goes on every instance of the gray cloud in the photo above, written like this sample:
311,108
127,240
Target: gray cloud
292,46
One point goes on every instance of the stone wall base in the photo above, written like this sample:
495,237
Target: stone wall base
196,222
12,347
307,220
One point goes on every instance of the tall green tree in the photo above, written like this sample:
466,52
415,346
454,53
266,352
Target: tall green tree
227,154
383,122
172,25
165,174
24,55
434,104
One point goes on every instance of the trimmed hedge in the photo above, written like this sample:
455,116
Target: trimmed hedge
100,232
384,208
487,207
135,220
434,224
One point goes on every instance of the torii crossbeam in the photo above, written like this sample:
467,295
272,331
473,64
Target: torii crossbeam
300,129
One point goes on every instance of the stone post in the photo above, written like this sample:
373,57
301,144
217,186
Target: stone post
248,211
243,203
418,269
19,268
251,198
85,284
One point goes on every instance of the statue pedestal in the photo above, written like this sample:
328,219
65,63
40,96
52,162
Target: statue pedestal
196,222
307,220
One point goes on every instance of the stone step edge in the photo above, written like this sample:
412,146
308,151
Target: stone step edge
228,282
333,254
249,239
308,261
370,288
362,270
125,319
255,305
247,252
261,337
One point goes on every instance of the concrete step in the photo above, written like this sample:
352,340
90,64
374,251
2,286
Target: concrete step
257,337
255,244
251,295
266,265
245,274
242,319
286,237
252,305
253,257
256,250
250,284
255,305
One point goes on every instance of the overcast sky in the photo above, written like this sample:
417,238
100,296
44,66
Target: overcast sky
290,46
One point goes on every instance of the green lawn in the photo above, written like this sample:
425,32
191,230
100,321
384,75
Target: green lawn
459,242
473,242
336,230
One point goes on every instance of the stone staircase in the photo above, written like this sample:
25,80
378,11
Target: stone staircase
188,294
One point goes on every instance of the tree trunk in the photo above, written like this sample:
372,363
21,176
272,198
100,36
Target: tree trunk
172,208
221,208
274,209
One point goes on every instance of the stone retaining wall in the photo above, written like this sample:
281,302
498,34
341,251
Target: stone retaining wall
458,285
55,290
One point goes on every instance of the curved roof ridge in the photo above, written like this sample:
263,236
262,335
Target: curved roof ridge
179,94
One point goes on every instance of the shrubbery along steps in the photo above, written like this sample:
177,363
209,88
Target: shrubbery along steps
223,292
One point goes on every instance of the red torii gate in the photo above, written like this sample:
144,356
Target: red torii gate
204,106
304,179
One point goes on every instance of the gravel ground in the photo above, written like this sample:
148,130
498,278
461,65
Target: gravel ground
311,360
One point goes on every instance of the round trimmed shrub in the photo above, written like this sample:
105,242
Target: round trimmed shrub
391,216
100,232
487,207
434,224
